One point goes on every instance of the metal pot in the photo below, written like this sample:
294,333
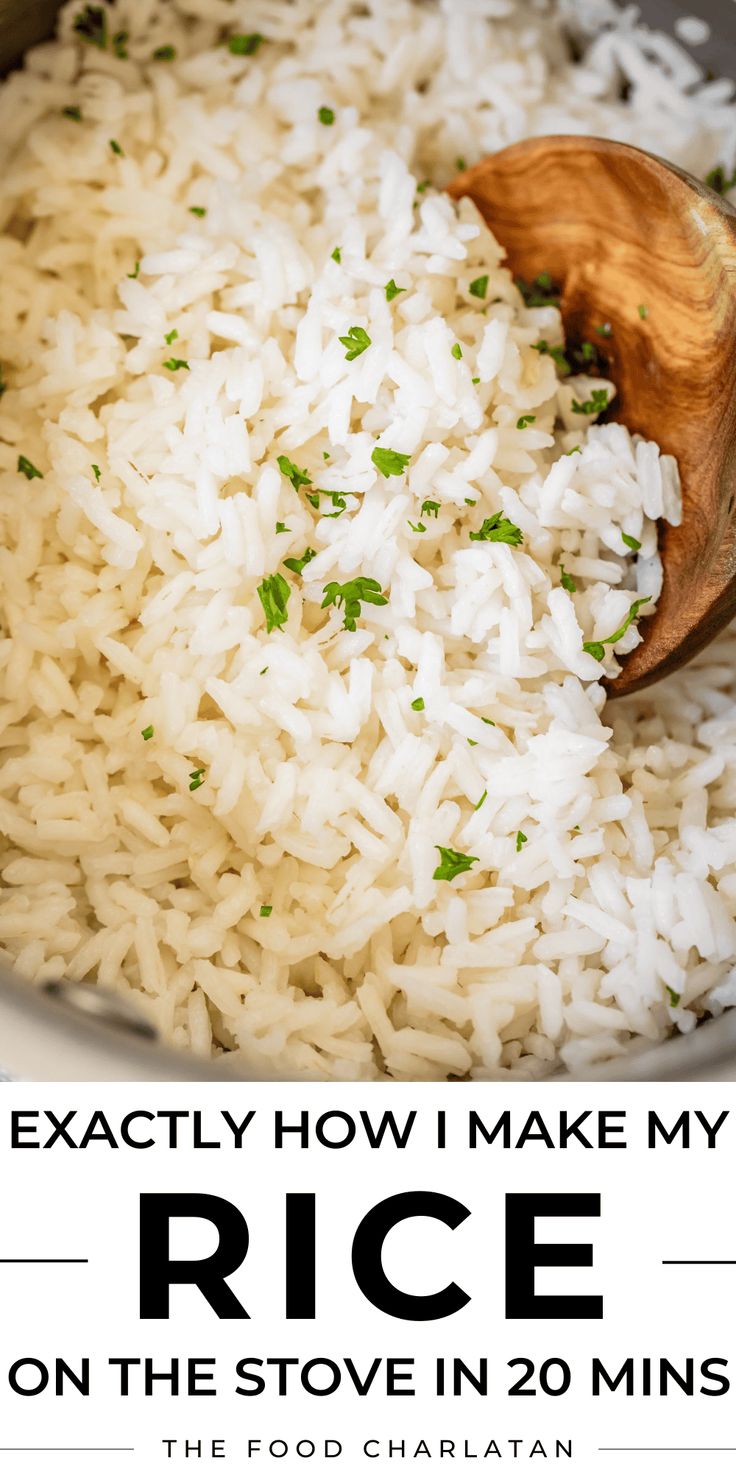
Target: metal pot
63,1031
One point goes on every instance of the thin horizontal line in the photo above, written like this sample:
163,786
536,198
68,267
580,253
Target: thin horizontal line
52,1260
667,1448
699,1262
67,1448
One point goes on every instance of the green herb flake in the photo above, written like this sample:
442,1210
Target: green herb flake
595,646
452,863
356,341
541,292
393,290
417,704
674,997
526,420
75,113
605,330
338,502
567,580
424,186
247,45
336,255
90,24
521,839
471,742
498,528
297,477
174,364
265,911
555,353
476,380
135,273
461,164
198,210
718,179
170,337
643,311
196,778
298,564
326,116
313,498
481,801
325,454
419,527
487,721
430,508
630,542
264,671
29,470
165,53
456,351
596,404
120,45
479,287
350,595
97,473
147,733
389,462
470,502
281,527
274,593
116,148
576,450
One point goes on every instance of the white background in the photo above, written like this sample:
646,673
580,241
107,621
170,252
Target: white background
663,1203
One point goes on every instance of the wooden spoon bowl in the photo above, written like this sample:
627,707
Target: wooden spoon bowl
620,230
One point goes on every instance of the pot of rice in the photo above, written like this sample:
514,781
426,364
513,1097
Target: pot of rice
315,550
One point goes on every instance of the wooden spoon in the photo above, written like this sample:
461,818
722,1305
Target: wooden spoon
620,230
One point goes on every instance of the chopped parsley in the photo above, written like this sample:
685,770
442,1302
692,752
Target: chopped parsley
313,498
147,733
116,148
605,330
470,502
674,997
135,273
247,45
521,839
595,647
170,337
417,704
298,564
297,477
498,528
630,542
325,454
393,290
326,116
487,721
336,255
461,164
164,53
541,292
567,580
481,800
643,311
479,287
274,593
430,508
174,364
471,742
389,462
476,380
29,470
120,45
356,341
526,420
452,863
420,527
97,473
75,113
557,354
264,671
265,911
350,595
198,210
718,179
282,527
91,25
196,778
424,186
337,500
576,450
456,351
597,402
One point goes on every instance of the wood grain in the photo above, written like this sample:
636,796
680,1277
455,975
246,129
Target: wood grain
618,228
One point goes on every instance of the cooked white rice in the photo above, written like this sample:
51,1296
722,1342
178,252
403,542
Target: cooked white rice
281,900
